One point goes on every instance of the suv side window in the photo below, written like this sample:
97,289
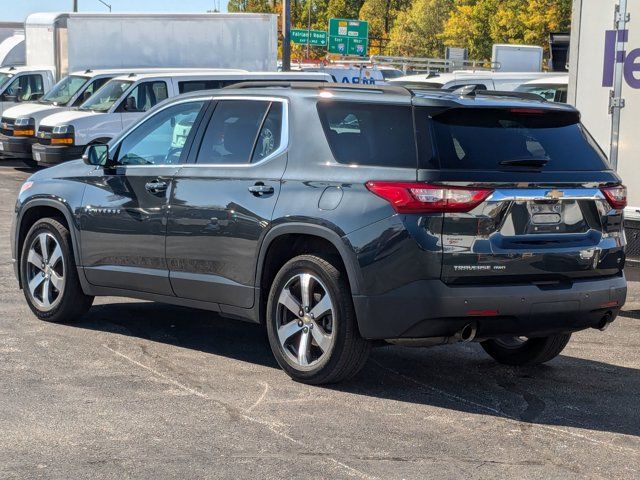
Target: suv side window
145,96
26,87
373,134
233,131
270,135
159,140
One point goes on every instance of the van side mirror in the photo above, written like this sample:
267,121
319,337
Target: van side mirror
131,105
97,155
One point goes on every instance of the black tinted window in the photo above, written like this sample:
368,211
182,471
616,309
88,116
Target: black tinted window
504,139
369,134
232,131
197,85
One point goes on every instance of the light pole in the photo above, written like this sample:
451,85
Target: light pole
106,5
75,5
286,35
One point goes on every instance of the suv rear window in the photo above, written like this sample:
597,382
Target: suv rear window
513,139
369,134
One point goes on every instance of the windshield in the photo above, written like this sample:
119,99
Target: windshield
550,92
4,77
62,91
514,139
103,99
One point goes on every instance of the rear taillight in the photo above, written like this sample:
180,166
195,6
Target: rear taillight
412,197
616,196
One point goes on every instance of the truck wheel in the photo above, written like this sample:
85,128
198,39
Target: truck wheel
522,351
311,322
49,277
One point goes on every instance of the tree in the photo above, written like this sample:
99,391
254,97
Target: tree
416,31
469,26
478,24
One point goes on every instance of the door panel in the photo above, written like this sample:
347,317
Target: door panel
219,213
123,229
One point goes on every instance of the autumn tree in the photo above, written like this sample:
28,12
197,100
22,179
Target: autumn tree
417,30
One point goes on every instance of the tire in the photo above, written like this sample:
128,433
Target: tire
30,162
334,351
533,351
65,301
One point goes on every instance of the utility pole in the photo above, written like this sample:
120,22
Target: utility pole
286,35
75,5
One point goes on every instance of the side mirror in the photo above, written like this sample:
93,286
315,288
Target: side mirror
131,105
97,155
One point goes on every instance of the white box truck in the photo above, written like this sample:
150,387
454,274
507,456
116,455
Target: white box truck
12,44
79,41
604,84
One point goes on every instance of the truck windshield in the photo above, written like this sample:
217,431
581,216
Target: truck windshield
64,90
4,77
104,98
514,139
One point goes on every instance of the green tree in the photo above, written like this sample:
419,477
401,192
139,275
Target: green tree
416,31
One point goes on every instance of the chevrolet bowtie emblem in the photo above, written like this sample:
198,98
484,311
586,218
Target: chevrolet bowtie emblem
555,194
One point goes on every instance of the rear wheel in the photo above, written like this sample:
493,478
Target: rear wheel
526,351
49,276
311,322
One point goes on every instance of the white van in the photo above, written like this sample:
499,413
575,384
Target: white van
552,89
20,122
123,100
482,80
23,84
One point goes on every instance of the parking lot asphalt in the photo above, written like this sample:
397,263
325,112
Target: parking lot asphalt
144,390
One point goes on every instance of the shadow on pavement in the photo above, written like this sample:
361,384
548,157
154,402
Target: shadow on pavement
567,392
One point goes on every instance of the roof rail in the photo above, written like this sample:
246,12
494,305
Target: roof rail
241,84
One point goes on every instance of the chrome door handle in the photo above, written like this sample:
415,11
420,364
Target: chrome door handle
260,189
156,186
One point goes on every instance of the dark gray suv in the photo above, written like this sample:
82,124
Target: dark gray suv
340,217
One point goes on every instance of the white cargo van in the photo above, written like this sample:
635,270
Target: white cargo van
552,89
482,80
604,84
23,84
20,122
124,100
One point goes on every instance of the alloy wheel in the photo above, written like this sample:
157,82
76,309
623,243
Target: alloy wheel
304,320
45,271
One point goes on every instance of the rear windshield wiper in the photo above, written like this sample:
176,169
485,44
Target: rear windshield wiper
525,162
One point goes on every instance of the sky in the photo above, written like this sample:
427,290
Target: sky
17,10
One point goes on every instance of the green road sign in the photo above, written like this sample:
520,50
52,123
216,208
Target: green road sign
317,37
348,37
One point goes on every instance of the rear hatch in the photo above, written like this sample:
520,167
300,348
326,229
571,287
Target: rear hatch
536,199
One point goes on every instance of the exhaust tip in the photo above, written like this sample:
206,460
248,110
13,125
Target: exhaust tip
468,332
605,321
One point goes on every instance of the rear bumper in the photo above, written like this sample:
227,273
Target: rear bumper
16,147
431,308
49,155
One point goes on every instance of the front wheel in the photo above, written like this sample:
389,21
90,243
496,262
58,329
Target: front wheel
48,273
311,322
521,351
